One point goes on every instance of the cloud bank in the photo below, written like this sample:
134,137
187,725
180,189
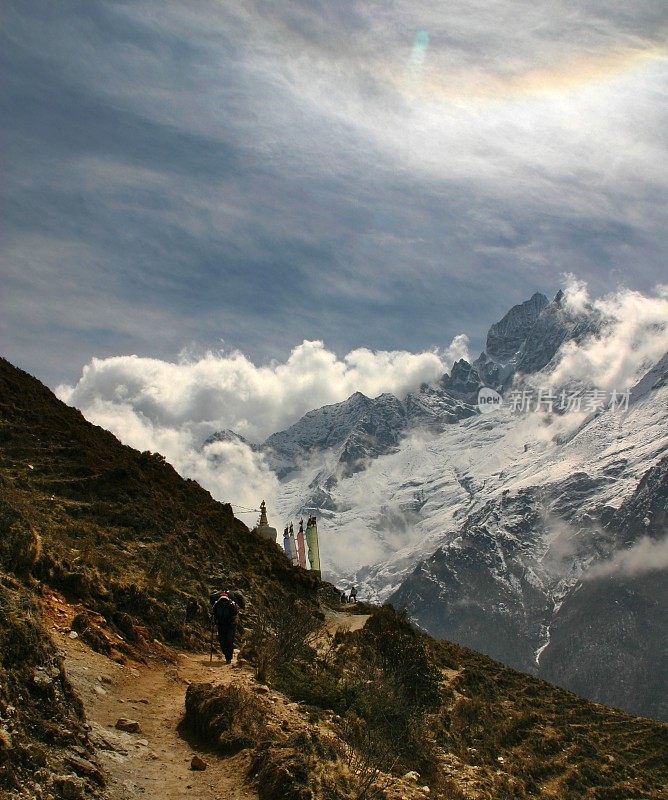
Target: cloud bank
634,336
171,407
226,390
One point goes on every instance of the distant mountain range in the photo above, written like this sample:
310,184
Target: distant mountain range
491,529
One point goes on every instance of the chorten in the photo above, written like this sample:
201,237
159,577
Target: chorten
263,528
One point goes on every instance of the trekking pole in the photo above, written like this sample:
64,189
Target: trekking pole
211,649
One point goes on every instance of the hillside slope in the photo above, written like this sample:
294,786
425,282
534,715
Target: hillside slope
118,531
103,508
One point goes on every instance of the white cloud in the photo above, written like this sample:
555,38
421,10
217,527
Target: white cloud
458,348
634,337
172,407
647,555
226,390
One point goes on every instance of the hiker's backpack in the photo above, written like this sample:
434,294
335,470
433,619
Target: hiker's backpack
224,610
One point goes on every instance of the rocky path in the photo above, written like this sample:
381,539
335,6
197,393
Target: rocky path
155,760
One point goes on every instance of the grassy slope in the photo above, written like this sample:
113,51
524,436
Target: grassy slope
120,528
122,533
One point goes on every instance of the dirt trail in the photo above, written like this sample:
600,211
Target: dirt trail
155,762
345,622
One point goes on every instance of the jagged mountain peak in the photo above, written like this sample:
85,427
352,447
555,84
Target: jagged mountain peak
506,337
554,326
227,435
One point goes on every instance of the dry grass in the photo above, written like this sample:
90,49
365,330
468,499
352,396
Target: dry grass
229,718
119,530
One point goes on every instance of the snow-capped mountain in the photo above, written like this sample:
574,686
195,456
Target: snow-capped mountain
487,528
346,436
505,575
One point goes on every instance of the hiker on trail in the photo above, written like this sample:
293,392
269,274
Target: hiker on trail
225,611
343,598
353,594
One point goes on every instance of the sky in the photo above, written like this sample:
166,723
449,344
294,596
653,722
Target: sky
372,177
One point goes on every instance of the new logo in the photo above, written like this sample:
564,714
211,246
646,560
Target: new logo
489,400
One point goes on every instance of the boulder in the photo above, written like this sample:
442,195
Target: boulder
128,725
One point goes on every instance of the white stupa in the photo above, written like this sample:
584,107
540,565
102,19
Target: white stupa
263,528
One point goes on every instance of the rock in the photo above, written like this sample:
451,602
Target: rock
84,768
412,776
69,787
142,742
128,725
261,689
73,635
198,764
99,691
41,681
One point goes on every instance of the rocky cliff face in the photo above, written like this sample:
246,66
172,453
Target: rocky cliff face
608,640
509,334
554,326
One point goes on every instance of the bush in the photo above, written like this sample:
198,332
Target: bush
280,637
402,655
20,545
228,718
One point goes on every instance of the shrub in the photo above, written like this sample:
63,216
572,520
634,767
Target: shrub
281,637
229,718
20,545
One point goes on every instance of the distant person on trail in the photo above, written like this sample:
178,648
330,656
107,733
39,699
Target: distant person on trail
353,594
225,611
343,598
